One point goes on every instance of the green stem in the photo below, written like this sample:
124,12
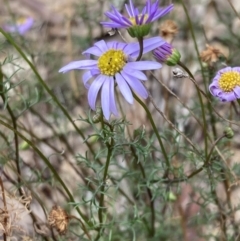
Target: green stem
195,42
154,128
151,200
102,189
140,40
49,165
55,99
201,104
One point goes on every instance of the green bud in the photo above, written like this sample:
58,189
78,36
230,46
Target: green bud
171,196
228,132
173,59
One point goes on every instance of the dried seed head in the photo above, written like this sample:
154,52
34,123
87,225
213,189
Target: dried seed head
210,55
168,29
58,219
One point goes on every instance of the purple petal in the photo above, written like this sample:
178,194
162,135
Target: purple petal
237,91
163,12
136,86
124,88
113,107
120,20
116,45
141,20
148,45
227,96
214,90
224,70
112,25
94,89
94,51
105,98
88,75
131,8
82,64
237,69
135,73
102,46
143,65
23,28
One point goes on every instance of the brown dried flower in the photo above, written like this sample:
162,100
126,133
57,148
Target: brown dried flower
210,55
58,219
168,29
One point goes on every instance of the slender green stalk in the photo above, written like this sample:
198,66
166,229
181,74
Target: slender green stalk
55,99
151,200
154,128
102,189
195,42
49,165
202,107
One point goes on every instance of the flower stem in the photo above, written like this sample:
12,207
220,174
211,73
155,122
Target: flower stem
201,104
140,40
195,42
102,189
154,128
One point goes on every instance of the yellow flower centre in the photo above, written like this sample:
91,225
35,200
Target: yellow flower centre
229,80
21,20
111,62
133,20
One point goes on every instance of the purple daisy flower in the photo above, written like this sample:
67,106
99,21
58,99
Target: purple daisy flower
150,13
115,64
21,26
226,84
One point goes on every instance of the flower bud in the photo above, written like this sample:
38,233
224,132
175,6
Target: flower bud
228,132
167,54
